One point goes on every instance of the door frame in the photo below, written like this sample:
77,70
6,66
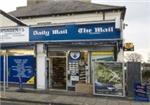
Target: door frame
51,70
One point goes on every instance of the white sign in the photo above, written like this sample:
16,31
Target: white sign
75,55
14,34
75,78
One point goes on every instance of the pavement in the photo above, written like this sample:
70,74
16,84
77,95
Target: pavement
63,97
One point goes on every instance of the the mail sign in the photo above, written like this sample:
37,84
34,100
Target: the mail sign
75,32
14,34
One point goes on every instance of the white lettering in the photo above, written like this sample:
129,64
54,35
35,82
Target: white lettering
84,30
59,31
45,33
95,30
100,29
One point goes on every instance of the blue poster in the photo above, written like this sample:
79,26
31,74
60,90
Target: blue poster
1,68
21,67
75,32
141,92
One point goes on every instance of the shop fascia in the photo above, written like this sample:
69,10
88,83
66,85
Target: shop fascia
96,30
101,31
14,34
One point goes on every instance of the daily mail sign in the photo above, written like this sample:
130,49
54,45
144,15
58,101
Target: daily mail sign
14,34
75,32
61,33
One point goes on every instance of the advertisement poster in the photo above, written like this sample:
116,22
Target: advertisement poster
108,78
21,67
141,92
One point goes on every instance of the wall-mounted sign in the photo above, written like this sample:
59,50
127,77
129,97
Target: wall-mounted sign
108,78
75,32
102,56
141,92
75,55
21,66
61,33
14,34
128,47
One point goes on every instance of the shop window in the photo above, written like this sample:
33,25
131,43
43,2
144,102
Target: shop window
77,68
108,78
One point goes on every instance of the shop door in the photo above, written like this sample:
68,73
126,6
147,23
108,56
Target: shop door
59,73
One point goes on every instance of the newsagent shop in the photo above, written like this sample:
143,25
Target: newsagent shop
76,50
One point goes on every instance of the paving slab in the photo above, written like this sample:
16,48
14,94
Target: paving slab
80,99
146,103
90,101
124,103
112,102
65,100
136,103
101,103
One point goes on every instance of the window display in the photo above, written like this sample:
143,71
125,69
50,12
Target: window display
108,78
77,67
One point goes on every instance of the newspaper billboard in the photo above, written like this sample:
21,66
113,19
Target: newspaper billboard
108,79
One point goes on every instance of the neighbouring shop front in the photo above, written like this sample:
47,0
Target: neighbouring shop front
74,57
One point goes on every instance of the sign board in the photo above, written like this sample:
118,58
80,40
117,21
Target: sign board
21,66
75,32
141,92
128,47
75,55
102,56
108,78
14,34
75,78
61,33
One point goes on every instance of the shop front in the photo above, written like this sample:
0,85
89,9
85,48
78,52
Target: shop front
17,63
73,65
72,52
77,57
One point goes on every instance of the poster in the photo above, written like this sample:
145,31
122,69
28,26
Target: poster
108,78
21,67
141,92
